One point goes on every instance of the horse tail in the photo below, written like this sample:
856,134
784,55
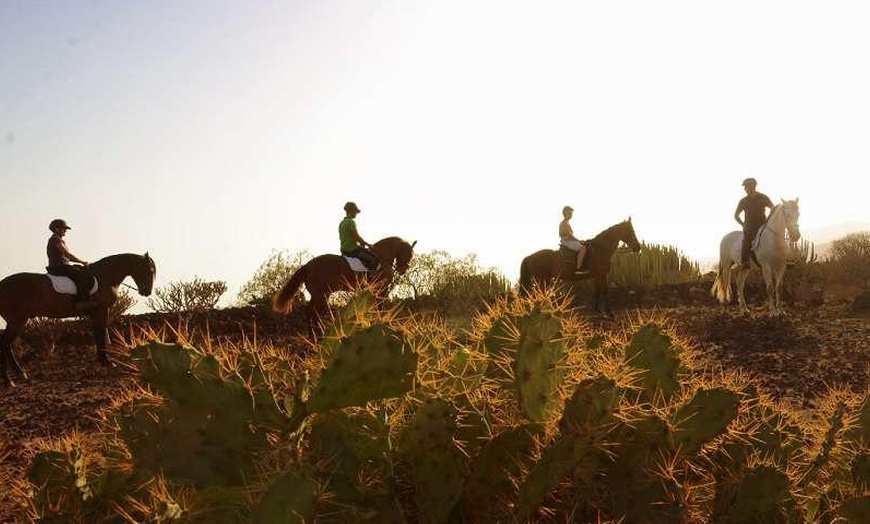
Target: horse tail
525,277
722,285
281,301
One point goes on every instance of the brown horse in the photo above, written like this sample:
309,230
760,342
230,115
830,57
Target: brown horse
548,265
326,274
27,295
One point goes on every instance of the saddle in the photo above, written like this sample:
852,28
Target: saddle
66,286
356,264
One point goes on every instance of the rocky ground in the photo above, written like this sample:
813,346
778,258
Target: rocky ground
796,357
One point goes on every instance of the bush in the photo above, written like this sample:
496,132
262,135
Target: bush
125,301
849,258
194,296
271,275
453,285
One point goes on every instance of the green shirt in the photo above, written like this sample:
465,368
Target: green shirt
347,235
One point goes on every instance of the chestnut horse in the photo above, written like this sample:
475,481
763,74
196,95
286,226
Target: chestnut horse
326,274
548,265
27,295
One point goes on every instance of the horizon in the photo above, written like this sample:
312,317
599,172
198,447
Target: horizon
212,133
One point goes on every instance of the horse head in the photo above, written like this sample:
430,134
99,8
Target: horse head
790,214
404,253
627,235
143,274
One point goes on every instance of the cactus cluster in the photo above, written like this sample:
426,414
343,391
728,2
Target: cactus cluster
507,424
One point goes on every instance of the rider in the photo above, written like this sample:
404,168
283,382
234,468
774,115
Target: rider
754,208
352,244
60,258
567,239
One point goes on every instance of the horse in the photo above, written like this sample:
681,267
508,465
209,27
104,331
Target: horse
27,295
548,265
326,274
769,247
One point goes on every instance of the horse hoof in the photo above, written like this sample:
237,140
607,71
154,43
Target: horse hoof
8,383
106,362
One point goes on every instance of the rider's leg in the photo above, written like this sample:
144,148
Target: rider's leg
581,254
748,237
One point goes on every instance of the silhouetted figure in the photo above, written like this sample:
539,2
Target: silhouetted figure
60,262
754,208
567,239
352,244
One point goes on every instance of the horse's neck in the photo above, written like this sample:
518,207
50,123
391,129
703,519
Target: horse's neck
385,249
609,239
111,270
776,223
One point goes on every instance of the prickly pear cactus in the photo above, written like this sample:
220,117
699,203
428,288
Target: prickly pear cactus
209,427
706,416
370,364
763,494
500,345
59,479
854,511
655,356
538,370
292,498
489,490
437,464
591,405
354,315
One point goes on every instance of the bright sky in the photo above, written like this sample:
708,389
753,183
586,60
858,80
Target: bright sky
211,132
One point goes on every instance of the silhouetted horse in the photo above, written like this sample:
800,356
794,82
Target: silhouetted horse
548,265
769,247
27,295
326,274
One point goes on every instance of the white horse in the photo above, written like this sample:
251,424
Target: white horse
770,251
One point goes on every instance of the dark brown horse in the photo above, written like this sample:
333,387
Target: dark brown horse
326,274
549,265
27,295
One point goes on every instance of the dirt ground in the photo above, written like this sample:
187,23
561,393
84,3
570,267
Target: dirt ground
796,357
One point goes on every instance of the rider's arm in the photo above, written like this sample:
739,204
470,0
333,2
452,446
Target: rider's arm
737,213
358,238
66,252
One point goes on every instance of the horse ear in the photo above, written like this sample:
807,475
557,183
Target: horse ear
629,218
782,200
414,243
146,255
796,199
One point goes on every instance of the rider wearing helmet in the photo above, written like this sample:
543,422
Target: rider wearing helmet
352,244
567,239
60,261
754,208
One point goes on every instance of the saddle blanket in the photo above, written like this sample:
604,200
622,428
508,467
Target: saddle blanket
356,264
66,285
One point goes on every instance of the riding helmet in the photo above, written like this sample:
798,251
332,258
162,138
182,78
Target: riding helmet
351,206
58,222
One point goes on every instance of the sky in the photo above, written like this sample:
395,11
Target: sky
211,133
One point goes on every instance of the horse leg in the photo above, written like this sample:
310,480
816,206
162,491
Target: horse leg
13,330
316,310
741,282
769,289
99,320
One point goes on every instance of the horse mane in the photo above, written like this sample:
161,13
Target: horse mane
608,231
112,258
